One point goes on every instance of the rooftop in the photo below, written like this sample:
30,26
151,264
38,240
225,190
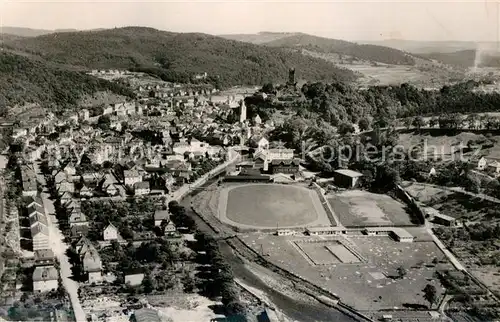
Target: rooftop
45,273
349,173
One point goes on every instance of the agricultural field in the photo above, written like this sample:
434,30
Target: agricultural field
425,193
271,206
362,208
443,145
373,285
425,73
463,206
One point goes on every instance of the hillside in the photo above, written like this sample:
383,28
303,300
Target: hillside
177,56
259,38
467,58
425,47
24,32
352,50
325,45
23,80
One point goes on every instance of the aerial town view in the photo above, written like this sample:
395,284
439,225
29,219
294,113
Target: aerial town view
166,161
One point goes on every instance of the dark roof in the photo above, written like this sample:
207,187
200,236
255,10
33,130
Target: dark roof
40,218
44,254
161,215
141,185
45,273
285,162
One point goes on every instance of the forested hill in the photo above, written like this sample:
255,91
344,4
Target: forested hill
374,53
177,56
466,58
23,80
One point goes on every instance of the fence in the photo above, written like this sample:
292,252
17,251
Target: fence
413,205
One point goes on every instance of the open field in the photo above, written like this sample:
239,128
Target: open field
425,193
443,145
362,208
365,286
271,206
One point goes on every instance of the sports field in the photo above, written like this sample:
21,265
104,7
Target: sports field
271,206
362,208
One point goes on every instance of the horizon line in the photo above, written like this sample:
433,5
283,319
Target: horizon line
244,33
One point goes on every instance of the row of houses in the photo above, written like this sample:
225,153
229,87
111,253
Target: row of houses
45,275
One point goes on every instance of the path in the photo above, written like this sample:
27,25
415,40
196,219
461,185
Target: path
442,307
443,248
59,248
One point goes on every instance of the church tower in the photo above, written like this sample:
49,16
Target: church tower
243,111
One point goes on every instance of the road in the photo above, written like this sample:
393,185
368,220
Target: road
182,191
59,248
462,190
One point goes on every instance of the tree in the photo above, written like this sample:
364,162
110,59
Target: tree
346,128
104,122
430,294
419,122
433,122
268,88
148,283
407,122
364,124
402,272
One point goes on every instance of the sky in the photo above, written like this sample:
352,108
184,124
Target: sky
354,20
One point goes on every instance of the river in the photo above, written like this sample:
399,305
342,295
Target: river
294,309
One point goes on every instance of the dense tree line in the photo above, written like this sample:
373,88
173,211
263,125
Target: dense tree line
177,57
30,81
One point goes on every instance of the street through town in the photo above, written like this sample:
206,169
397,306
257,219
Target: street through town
59,248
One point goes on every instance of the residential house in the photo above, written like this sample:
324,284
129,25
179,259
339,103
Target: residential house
257,120
260,143
110,233
494,167
481,163
111,190
141,188
65,197
44,257
69,169
170,228
60,176
40,236
160,216
34,201
91,264
86,192
45,279
38,218
131,177
65,186
77,218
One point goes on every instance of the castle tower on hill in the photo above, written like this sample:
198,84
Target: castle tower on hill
243,111
291,77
